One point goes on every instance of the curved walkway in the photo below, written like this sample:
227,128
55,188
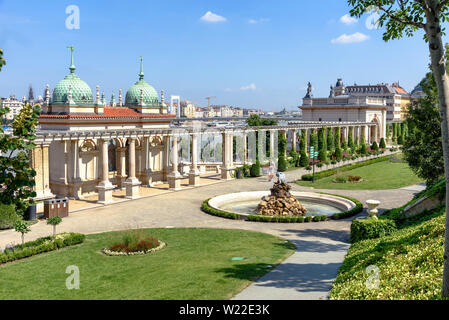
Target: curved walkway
307,274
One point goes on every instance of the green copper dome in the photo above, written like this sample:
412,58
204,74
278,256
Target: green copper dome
150,97
81,92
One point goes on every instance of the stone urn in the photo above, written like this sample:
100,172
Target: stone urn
372,205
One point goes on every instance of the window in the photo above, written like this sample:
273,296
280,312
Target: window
339,119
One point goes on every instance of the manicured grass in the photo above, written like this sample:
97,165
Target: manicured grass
196,264
377,176
409,262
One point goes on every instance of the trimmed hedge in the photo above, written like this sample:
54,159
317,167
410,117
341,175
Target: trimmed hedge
342,215
41,245
299,219
371,228
331,172
219,213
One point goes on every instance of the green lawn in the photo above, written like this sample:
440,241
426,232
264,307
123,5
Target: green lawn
196,264
377,176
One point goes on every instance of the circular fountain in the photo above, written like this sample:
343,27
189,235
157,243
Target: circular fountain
248,203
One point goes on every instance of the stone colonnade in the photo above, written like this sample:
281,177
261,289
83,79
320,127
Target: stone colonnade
169,145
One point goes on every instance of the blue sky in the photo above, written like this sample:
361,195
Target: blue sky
248,53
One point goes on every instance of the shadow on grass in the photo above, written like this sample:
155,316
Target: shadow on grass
308,277
326,234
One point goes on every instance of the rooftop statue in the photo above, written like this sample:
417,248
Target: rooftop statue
309,94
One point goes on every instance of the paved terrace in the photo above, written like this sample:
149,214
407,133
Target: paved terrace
307,274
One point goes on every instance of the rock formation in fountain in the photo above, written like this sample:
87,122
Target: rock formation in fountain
281,202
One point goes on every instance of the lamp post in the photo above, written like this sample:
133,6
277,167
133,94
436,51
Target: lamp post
313,155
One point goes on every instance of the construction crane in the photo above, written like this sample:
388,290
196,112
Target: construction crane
208,101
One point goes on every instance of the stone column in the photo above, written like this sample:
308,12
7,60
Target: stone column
39,161
132,183
365,128
166,158
75,180
284,134
383,133
227,156
105,186
174,178
245,148
194,174
121,167
146,159
272,146
346,134
294,140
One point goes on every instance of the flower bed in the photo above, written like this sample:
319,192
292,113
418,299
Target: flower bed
109,252
40,245
134,242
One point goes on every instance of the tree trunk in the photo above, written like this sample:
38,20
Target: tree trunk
54,230
438,62
23,241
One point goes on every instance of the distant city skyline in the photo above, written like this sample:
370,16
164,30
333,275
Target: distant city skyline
255,54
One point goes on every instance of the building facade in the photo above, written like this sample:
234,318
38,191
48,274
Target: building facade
13,104
342,106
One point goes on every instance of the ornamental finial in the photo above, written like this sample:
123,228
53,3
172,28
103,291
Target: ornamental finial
72,66
141,75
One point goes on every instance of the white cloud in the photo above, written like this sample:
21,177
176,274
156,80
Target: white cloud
212,18
347,19
251,86
352,38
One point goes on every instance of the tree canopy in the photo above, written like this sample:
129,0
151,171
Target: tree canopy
2,60
423,146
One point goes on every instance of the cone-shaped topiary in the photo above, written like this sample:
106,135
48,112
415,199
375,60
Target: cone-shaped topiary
382,144
338,153
255,169
282,164
374,146
304,159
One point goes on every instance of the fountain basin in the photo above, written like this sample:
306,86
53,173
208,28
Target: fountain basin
245,203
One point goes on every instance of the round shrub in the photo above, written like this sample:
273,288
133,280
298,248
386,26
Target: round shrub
8,216
255,169
282,164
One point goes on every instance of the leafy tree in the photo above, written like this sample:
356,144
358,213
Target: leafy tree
21,227
395,132
330,139
282,163
337,137
2,60
16,174
54,221
303,159
351,138
405,17
322,145
314,139
423,146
